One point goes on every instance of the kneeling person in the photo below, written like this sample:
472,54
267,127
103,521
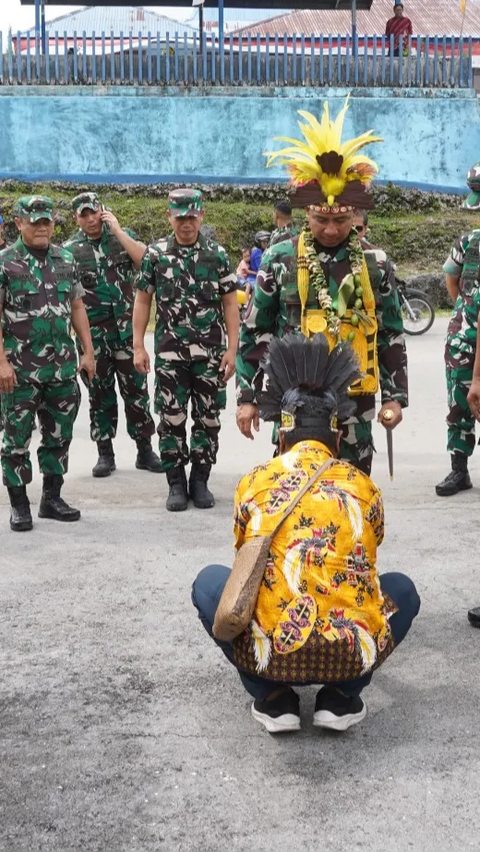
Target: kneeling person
40,301
323,615
107,256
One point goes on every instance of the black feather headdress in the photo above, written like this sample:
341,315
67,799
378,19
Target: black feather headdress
301,372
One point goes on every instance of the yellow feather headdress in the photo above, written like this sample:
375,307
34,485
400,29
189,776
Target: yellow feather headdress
324,169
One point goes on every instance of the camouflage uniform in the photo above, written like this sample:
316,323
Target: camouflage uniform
269,315
279,235
188,283
464,263
107,274
36,297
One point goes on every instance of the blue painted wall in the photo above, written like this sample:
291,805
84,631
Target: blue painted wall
151,135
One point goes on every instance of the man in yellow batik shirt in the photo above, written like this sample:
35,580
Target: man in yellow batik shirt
323,614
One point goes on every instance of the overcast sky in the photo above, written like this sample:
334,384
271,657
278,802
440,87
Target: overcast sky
12,14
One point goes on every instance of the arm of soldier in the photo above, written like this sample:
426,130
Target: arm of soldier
473,397
228,292
392,353
134,247
8,378
141,311
453,267
256,332
81,327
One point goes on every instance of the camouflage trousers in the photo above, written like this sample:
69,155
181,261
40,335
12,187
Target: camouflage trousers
177,382
56,405
460,420
114,359
357,445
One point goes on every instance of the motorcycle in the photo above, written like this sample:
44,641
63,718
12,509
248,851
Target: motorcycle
417,311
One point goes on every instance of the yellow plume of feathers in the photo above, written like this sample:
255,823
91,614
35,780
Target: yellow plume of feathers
301,158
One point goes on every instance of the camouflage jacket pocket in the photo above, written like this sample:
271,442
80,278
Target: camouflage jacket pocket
207,274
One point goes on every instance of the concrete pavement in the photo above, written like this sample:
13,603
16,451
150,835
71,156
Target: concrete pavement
123,729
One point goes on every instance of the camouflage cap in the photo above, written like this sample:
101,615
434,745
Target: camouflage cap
34,207
86,201
472,201
185,202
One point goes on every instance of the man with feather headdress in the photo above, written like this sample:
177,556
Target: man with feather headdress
324,281
323,615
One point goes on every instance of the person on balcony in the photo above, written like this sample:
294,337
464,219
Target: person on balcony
400,27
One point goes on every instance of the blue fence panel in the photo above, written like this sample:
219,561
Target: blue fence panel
312,58
321,60
267,59
453,51
460,61
56,59
240,60
103,64
347,59
355,59
365,60
214,58
400,62
391,51
112,57
221,59
470,63
444,62
149,58
130,57
427,61
84,56
167,58
1,58
339,58
259,60
294,58
66,63
330,60
204,60
409,61
276,68
94,60
285,58
302,59
158,60
47,59
249,58
140,59
435,61
384,65
175,60
19,59
374,60
122,58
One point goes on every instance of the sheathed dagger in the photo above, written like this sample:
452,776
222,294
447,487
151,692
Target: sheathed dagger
387,416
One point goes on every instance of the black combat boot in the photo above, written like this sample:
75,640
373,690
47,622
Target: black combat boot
20,516
146,458
201,496
51,504
458,479
177,500
106,459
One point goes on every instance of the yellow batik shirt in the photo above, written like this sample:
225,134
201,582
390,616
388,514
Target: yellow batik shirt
320,614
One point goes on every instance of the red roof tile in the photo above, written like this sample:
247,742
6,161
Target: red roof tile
429,17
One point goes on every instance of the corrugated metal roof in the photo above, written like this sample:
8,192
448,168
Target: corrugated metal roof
442,17
100,19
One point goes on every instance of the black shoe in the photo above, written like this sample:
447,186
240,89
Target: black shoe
177,500
201,496
20,515
52,505
146,458
474,616
458,479
281,714
336,711
106,459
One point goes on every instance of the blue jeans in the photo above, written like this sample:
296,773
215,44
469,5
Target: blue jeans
207,590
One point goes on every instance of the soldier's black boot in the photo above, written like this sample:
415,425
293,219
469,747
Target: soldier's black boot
177,500
458,479
147,459
201,496
52,505
106,459
20,516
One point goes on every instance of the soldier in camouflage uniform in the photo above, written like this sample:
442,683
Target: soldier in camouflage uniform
40,301
196,303
462,269
3,245
333,256
284,227
107,256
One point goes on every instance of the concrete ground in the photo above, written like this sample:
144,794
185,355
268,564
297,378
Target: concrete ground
123,729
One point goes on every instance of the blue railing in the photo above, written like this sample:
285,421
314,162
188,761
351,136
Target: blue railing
270,60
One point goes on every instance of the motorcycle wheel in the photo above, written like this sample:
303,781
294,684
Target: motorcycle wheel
417,312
